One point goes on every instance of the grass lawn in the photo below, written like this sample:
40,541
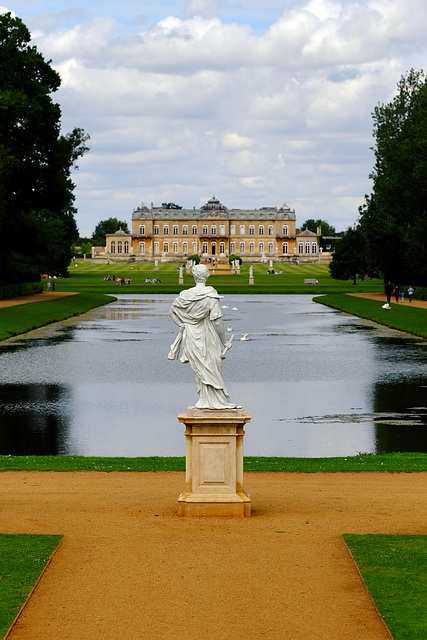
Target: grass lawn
23,558
394,569
402,317
394,462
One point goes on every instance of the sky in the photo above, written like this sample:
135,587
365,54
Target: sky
256,103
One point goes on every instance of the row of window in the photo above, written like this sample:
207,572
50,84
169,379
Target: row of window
302,248
205,231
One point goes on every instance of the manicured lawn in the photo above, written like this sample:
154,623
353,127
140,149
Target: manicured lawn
402,317
22,560
25,317
394,569
395,462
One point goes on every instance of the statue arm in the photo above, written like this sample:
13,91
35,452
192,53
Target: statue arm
219,328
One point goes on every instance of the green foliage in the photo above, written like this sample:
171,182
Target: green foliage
394,216
23,289
111,225
349,258
22,559
37,224
195,258
394,568
233,257
313,225
170,205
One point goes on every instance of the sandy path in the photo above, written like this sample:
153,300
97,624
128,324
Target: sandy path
381,297
129,567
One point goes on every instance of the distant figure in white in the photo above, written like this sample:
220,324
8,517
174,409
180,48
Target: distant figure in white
198,315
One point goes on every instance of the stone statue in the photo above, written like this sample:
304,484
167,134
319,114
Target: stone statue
198,315
251,271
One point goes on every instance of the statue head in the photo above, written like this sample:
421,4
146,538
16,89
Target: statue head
200,273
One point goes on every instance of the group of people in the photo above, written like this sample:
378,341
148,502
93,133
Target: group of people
152,281
396,291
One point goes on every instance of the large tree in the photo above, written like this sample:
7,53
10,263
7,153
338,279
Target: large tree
326,229
37,224
349,258
394,216
111,225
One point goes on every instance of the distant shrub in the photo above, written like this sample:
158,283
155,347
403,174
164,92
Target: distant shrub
22,289
195,258
234,257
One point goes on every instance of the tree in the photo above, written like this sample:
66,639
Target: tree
313,225
37,224
170,205
394,215
349,258
111,225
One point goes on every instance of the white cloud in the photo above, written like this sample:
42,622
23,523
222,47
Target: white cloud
197,99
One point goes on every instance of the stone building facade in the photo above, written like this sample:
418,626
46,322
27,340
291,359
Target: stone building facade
213,231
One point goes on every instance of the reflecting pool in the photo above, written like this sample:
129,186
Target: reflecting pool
317,382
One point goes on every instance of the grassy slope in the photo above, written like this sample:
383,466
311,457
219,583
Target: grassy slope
25,317
22,560
394,569
402,317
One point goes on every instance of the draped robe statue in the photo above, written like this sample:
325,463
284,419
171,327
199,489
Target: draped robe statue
198,315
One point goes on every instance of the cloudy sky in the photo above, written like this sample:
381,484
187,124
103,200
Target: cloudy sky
258,102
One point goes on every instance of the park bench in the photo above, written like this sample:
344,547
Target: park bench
311,281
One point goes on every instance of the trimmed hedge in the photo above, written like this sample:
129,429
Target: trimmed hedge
22,289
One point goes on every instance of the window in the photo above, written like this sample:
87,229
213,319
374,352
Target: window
175,230
232,248
285,247
156,229
270,230
222,229
166,247
261,247
142,247
261,230
285,229
242,229
184,229
233,230
165,229
307,247
314,247
156,248
205,247
194,229
126,246
185,248
222,247
251,230
270,248
113,247
142,229
205,230
119,247
300,247
252,248
175,247
194,247
213,229
242,247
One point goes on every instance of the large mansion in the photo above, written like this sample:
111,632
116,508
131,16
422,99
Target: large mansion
213,231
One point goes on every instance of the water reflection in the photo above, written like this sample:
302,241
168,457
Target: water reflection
33,419
317,382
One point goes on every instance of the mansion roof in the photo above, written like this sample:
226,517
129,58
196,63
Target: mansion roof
213,209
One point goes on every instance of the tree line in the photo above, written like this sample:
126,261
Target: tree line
389,239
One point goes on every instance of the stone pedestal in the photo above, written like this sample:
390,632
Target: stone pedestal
251,280
214,463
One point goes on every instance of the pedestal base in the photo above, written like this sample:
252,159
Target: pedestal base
214,463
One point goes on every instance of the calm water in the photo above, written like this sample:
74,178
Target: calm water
317,382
